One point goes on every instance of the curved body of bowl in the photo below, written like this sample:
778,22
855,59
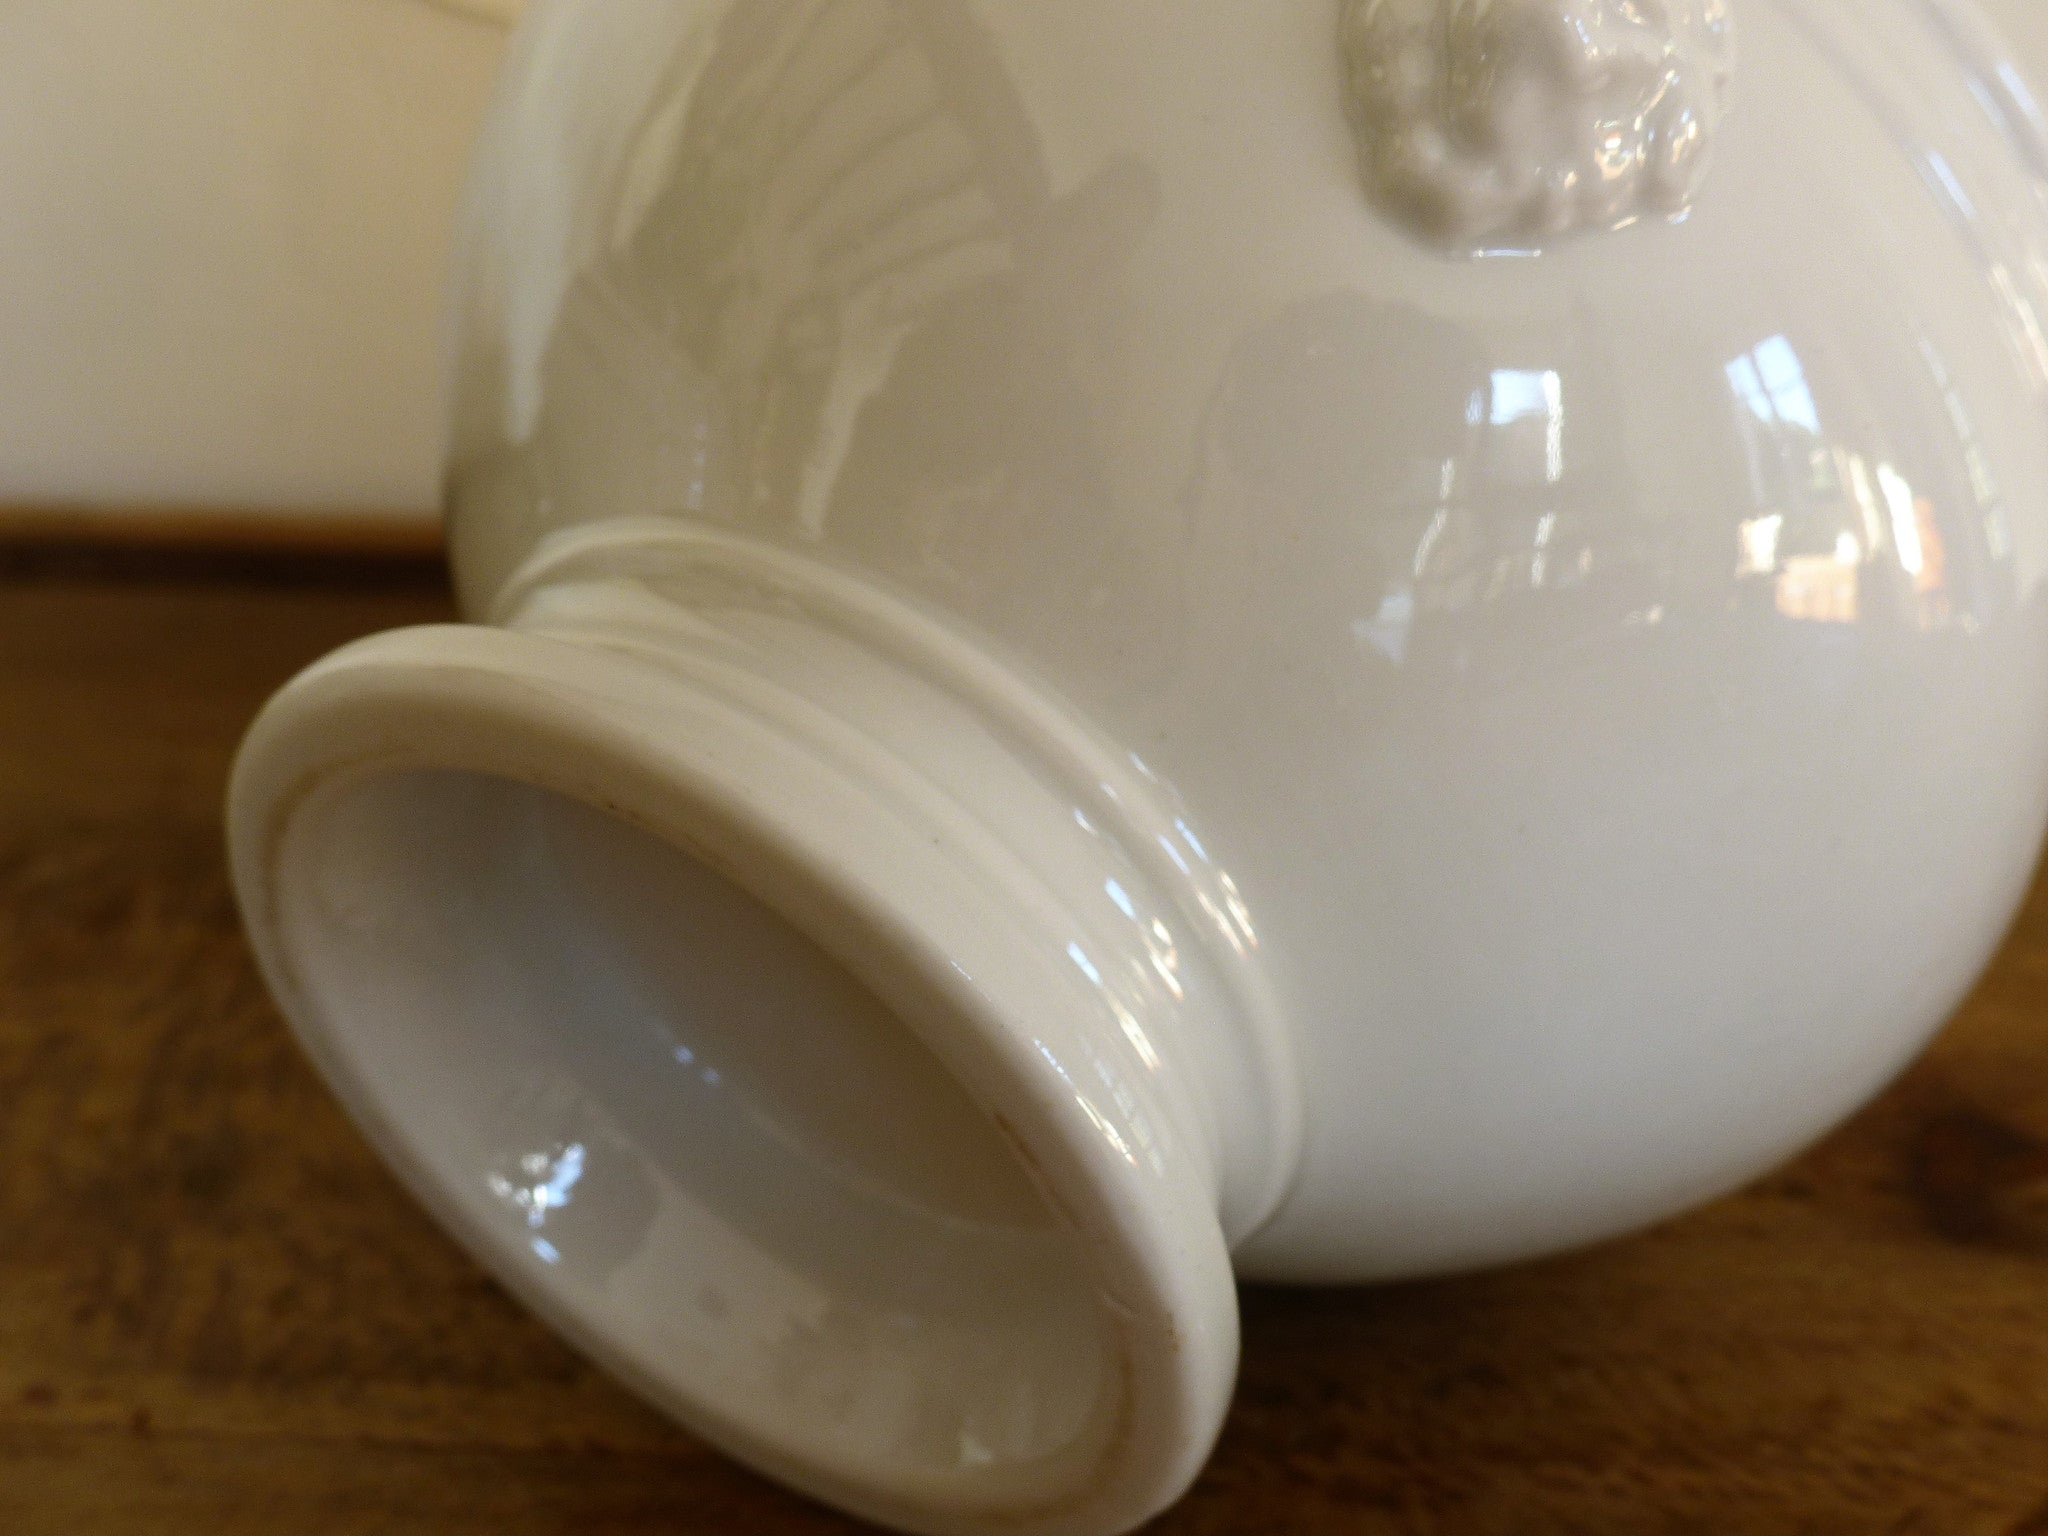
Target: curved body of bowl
1566,707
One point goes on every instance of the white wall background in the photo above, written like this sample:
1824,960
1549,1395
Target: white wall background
223,225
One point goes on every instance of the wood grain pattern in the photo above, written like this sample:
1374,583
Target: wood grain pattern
218,1315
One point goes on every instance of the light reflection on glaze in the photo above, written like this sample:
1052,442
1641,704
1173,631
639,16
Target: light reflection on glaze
538,1183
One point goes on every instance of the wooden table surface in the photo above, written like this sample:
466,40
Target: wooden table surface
217,1314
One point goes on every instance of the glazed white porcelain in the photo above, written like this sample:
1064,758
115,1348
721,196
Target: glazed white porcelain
1112,646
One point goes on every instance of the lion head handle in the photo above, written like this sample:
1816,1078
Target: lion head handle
1510,123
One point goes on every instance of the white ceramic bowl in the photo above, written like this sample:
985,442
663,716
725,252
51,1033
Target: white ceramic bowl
1113,642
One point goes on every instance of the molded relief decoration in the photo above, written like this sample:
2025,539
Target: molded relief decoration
1509,122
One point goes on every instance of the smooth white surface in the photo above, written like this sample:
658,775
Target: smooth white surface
1392,760
223,237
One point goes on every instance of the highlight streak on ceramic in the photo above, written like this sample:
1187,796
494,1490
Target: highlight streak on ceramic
1995,80
1506,122
2007,252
